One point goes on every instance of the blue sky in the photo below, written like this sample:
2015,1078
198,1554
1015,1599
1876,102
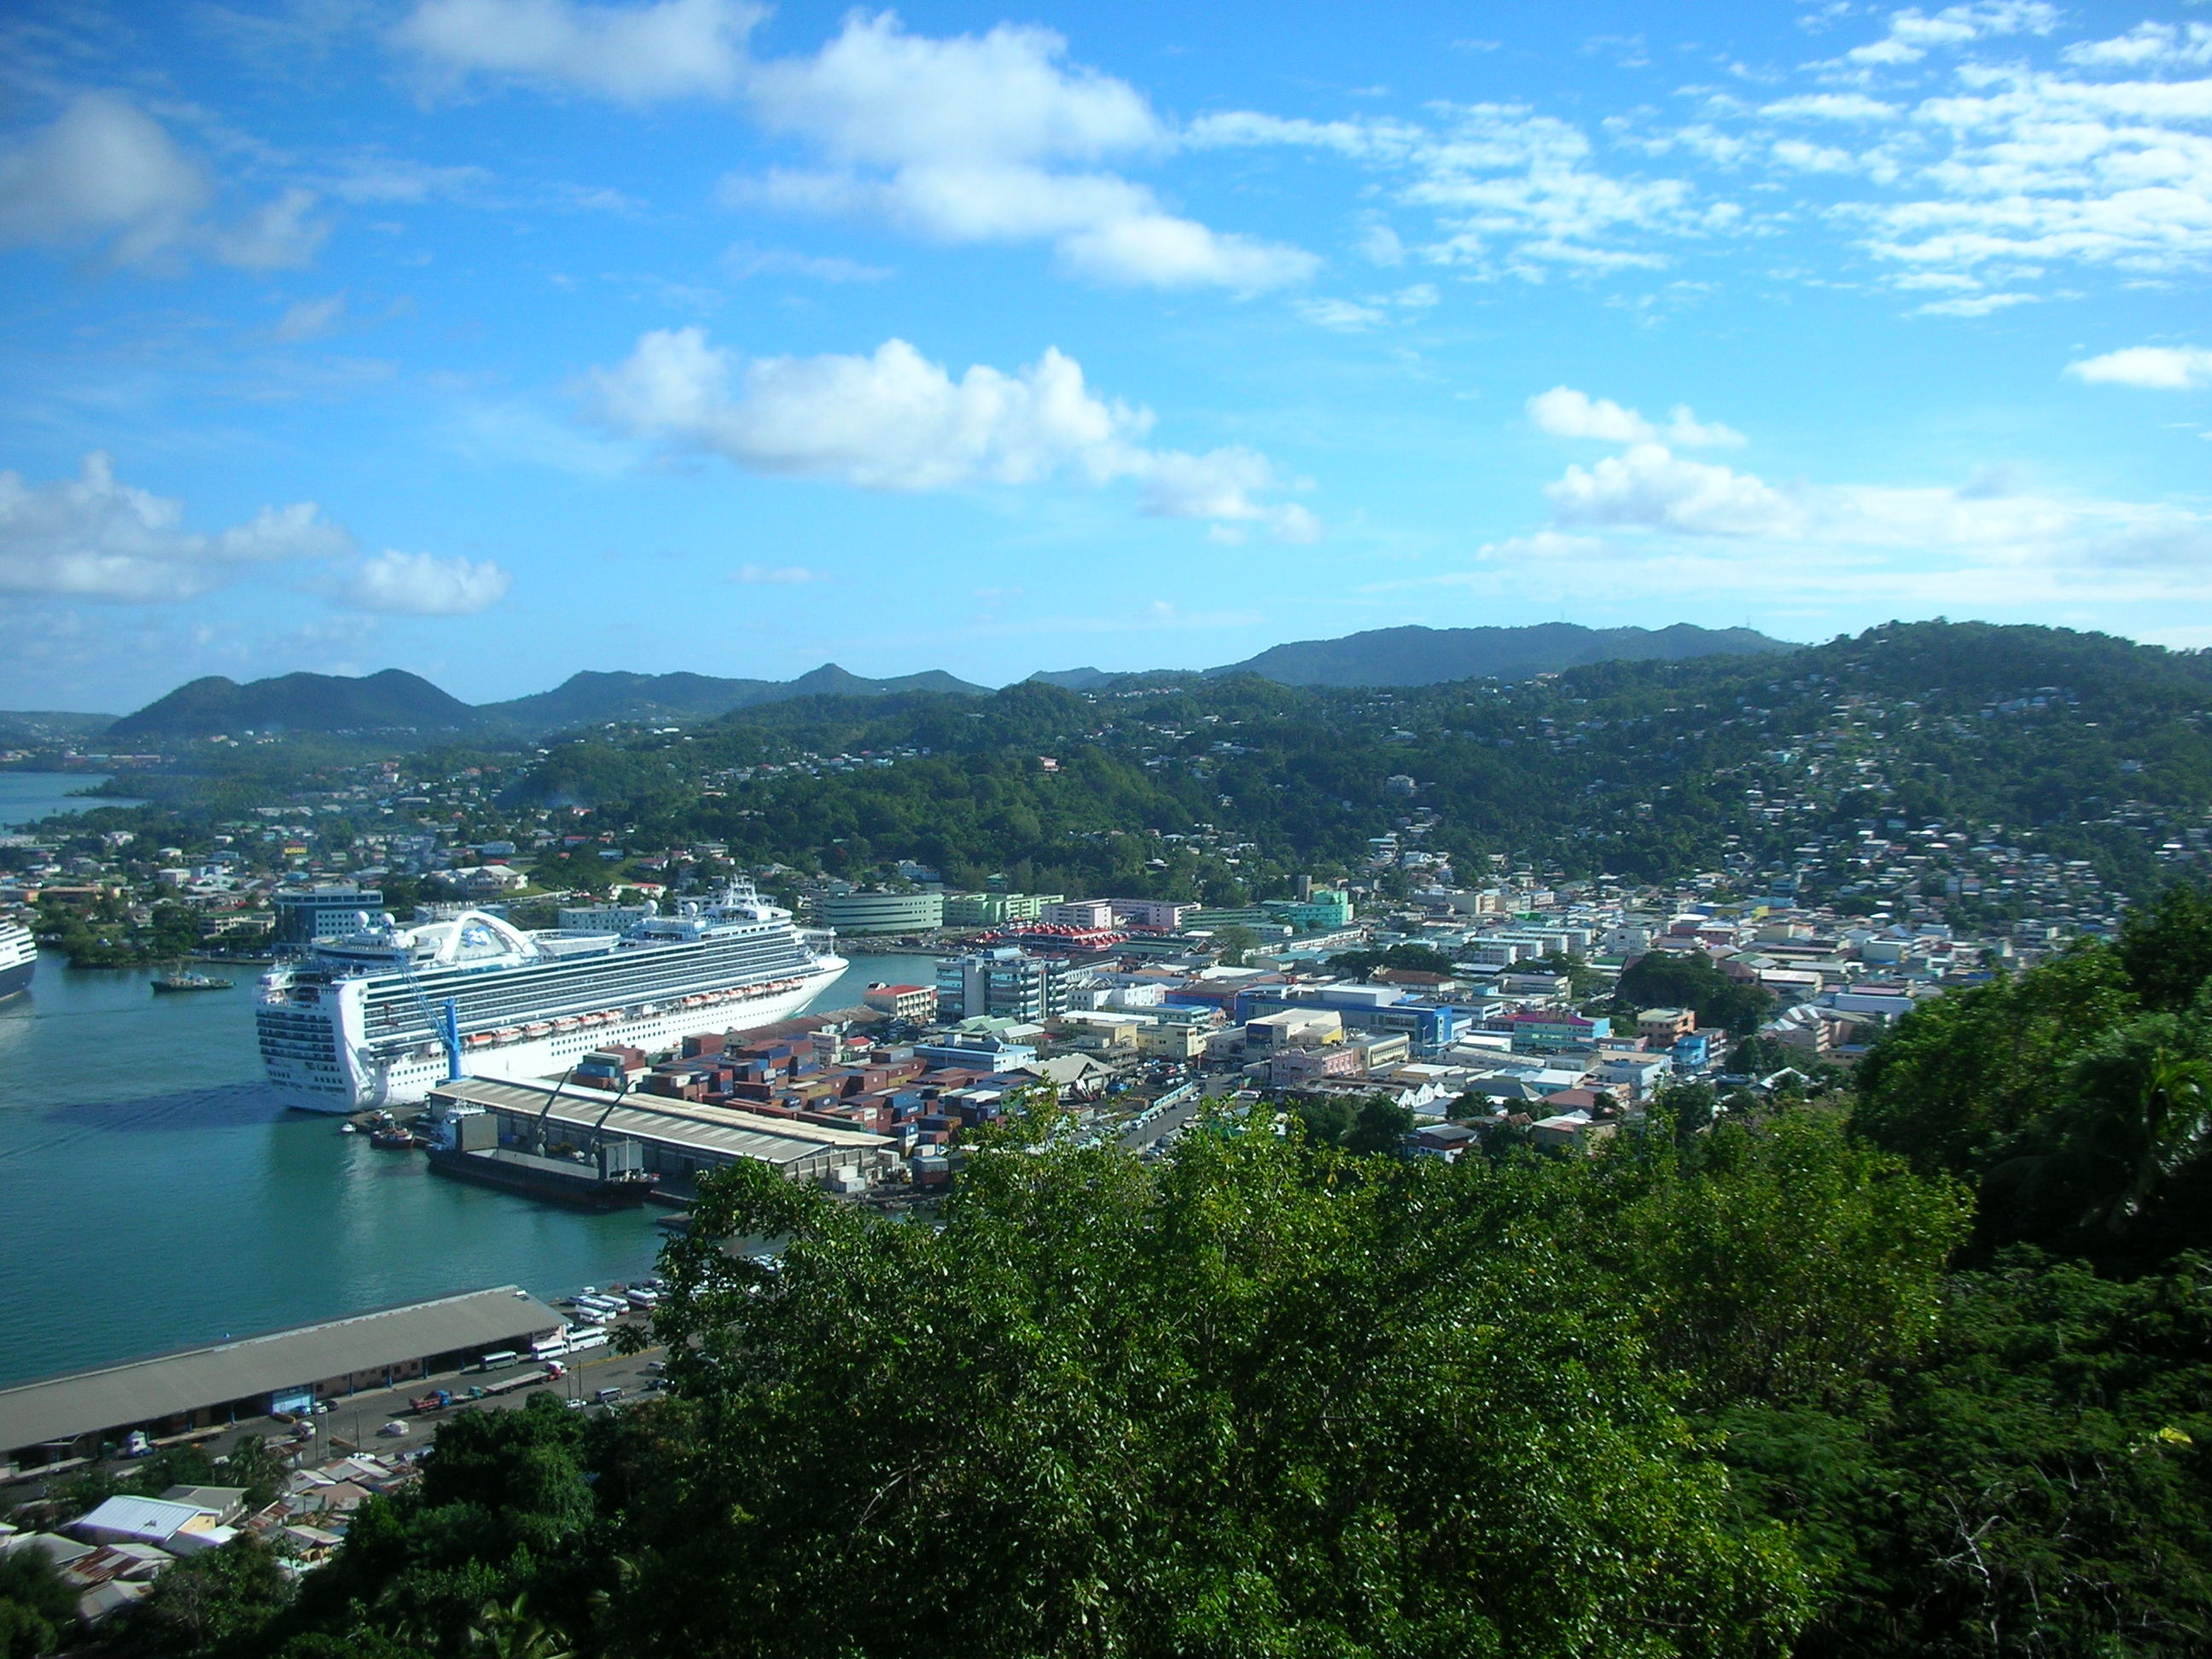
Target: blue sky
499,339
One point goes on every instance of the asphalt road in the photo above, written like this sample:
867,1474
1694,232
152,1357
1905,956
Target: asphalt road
357,1419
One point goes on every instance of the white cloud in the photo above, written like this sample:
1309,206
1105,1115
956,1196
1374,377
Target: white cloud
1514,193
279,236
2146,44
106,174
1650,487
424,585
1346,316
101,170
878,95
633,54
1912,33
744,262
2163,368
971,138
781,576
992,137
1566,413
93,536
372,177
310,320
1991,540
2035,169
1831,106
895,421
1804,157
1974,305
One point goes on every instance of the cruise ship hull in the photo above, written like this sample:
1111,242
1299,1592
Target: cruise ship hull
360,1083
19,960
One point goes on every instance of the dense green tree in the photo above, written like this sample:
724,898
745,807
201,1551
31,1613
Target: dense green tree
213,1603
1234,942
38,1608
1259,1399
1960,1082
1691,979
2036,1486
505,1509
252,1464
1416,958
2166,949
1783,1260
2119,1167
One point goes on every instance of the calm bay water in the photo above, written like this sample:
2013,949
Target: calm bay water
154,1194
27,796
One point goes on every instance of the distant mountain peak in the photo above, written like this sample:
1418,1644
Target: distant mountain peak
1415,655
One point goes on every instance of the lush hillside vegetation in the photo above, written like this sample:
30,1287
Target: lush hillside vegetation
2085,746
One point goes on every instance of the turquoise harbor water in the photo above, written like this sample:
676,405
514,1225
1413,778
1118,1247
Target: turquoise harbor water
153,1194
27,796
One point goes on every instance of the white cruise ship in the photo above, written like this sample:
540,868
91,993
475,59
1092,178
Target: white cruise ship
360,1020
19,958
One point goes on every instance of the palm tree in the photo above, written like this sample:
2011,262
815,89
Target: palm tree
511,1632
2140,1111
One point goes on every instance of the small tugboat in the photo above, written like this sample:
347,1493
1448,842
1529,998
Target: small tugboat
181,980
387,1133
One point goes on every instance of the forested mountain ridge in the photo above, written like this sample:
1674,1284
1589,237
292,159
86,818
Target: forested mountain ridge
1426,656
591,698
394,700
2090,747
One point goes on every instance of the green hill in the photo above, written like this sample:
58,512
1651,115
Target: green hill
392,701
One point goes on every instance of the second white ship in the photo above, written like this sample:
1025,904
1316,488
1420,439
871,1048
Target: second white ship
360,1020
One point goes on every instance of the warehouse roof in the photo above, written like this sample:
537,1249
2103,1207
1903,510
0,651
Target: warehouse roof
661,1118
145,1390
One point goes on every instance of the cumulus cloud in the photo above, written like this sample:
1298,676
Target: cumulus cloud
1566,413
93,537
105,174
2163,368
973,137
1650,487
992,137
893,419
424,585
633,54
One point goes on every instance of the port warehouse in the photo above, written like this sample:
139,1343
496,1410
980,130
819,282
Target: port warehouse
59,1418
680,1140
